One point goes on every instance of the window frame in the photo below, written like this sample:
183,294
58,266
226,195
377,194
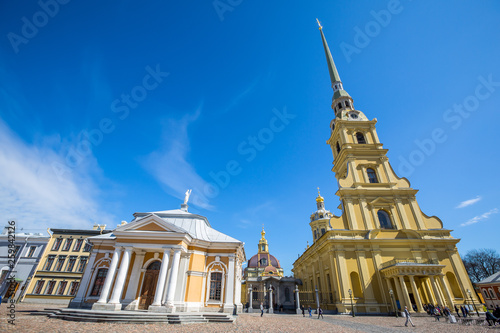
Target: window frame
71,262
67,245
50,287
31,251
38,287
49,262
61,288
215,295
372,175
101,278
363,138
60,263
388,216
57,244
83,261
78,245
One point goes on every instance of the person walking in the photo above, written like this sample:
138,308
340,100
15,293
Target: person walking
320,313
310,311
303,310
436,313
456,310
261,309
408,318
463,311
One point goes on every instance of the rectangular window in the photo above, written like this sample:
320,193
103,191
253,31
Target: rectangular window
31,251
39,286
48,264
73,288
82,264
215,286
87,247
71,264
60,263
62,287
3,276
78,245
67,246
99,282
50,287
57,244
16,250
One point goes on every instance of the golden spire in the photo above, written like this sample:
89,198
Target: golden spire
263,233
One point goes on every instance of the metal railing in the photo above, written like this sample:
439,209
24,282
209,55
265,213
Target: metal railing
409,262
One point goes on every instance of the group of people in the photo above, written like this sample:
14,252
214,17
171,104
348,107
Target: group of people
493,318
439,311
309,310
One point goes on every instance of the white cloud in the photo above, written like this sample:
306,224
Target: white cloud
468,202
32,194
479,218
170,167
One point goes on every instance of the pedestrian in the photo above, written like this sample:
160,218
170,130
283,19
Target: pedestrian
463,310
490,318
303,310
496,313
261,309
408,319
310,311
467,314
320,313
436,313
456,310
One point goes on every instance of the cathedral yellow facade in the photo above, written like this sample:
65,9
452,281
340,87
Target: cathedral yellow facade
382,252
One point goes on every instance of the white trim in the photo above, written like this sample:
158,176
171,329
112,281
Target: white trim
210,269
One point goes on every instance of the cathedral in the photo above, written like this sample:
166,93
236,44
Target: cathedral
263,282
382,253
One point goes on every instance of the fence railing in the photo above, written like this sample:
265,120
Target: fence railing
409,262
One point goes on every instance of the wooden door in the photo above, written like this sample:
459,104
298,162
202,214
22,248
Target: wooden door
149,285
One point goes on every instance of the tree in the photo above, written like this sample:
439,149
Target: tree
481,263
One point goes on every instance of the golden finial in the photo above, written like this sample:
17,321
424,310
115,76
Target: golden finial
320,27
262,232
318,192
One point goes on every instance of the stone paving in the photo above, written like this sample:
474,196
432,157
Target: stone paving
245,323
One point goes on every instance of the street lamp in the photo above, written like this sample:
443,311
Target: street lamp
393,302
472,300
352,305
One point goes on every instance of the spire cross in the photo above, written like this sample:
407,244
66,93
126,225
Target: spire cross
318,191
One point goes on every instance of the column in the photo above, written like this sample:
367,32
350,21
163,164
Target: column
317,299
364,213
432,298
417,214
399,293
110,276
418,300
402,214
349,210
250,302
173,280
344,280
436,291
446,292
297,298
270,300
405,293
394,293
229,300
120,279
85,281
135,274
161,278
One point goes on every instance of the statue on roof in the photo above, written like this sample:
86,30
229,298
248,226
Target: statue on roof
186,197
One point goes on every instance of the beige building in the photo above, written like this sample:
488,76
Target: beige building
166,261
382,252
60,269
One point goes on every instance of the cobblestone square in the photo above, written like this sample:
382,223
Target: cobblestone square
245,323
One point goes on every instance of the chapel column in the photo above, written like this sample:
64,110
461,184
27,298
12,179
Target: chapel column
135,274
297,298
250,302
418,300
229,299
173,280
109,277
161,278
333,274
120,279
432,298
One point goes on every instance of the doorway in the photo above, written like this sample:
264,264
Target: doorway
149,285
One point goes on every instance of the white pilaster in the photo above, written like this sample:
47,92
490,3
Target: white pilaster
120,279
135,274
85,281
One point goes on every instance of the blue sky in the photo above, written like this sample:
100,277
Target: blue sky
108,109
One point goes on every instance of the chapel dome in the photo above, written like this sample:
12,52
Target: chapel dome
263,260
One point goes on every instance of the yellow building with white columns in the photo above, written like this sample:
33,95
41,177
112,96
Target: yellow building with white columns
166,261
382,251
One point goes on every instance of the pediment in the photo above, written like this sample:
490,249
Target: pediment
150,222
381,202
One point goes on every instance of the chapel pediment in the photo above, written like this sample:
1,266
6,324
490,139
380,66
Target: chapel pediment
380,202
150,222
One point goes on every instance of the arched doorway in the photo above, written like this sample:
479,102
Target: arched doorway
149,285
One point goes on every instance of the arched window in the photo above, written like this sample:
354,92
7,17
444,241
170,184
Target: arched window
347,104
492,295
315,236
361,138
338,148
455,289
99,281
215,286
372,176
357,292
384,219
339,106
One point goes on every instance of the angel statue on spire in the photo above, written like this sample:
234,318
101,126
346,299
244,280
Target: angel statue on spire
186,197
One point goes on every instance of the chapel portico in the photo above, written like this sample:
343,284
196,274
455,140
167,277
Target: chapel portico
167,261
